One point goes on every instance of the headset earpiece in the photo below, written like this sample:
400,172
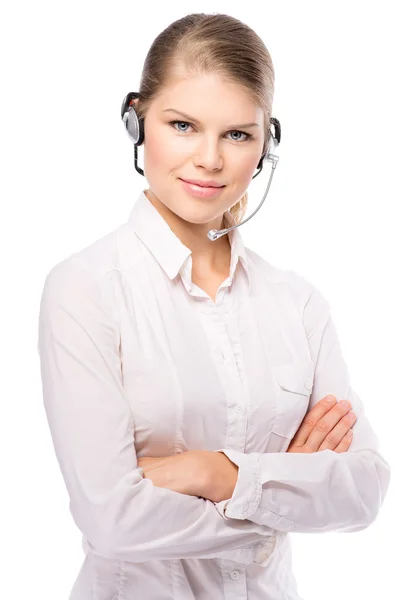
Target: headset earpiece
133,125
273,142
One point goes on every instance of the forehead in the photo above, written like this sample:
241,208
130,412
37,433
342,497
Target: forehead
207,97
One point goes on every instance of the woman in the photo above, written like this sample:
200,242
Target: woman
178,372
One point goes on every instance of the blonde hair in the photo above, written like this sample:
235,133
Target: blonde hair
207,43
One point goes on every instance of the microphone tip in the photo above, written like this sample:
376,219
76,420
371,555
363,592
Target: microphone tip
212,235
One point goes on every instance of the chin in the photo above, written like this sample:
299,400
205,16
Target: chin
199,214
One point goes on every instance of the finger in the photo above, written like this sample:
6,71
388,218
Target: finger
345,442
325,425
334,437
312,417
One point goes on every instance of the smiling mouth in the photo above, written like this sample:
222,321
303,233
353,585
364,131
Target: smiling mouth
200,191
202,186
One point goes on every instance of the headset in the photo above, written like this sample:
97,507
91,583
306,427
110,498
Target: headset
136,131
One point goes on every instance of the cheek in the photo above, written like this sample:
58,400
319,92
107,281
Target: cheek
246,161
155,153
162,156
244,169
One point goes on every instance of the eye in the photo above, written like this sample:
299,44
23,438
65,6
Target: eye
247,138
182,123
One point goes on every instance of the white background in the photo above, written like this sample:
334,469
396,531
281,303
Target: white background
340,212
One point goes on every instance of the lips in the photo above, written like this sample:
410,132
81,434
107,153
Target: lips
202,184
201,191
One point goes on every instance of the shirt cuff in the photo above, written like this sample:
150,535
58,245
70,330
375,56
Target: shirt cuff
248,489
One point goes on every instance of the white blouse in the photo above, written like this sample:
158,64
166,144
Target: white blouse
136,360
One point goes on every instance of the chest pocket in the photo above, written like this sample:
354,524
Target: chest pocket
294,382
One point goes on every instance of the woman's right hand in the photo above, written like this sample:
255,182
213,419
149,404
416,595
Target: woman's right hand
327,426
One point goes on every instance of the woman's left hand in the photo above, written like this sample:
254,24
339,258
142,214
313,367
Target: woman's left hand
201,473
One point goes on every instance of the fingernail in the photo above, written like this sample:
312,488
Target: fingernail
330,399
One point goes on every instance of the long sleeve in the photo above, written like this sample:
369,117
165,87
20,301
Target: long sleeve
322,491
123,515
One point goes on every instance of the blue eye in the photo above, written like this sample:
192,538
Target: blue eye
182,122
248,135
241,132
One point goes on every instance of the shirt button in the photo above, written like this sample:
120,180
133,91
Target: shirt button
234,574
307,383
239,409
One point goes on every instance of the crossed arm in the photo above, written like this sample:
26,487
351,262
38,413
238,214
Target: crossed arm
210,475
253,497
305,492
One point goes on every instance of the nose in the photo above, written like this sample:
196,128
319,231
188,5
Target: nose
208,155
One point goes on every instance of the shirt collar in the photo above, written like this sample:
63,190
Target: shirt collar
167,248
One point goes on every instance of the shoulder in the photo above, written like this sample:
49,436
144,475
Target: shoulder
103,258
100,256
78,298
91,271
297,284
310,303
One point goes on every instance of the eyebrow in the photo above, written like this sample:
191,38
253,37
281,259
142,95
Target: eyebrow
198,122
